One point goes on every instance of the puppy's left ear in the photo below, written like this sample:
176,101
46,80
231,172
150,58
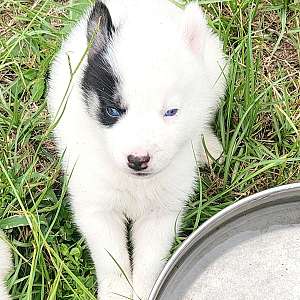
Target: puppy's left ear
100,28
195,29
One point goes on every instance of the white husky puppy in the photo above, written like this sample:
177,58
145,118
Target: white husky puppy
132,110
5,265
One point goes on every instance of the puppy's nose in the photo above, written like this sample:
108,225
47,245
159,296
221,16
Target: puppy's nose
138,163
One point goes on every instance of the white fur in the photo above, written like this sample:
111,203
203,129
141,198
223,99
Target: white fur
5,265
167,58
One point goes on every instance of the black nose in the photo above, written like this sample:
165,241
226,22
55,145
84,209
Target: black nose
138,163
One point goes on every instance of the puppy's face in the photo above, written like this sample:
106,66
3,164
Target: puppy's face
147,89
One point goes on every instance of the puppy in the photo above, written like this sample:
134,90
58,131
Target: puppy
5,265
132,90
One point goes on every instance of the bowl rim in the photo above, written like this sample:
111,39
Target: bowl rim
252,202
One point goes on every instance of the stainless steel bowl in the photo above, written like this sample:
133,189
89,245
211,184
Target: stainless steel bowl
264,213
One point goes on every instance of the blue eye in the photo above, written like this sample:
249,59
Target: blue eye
171,112
113,112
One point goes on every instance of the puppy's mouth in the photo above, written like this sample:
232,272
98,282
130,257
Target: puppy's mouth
142,174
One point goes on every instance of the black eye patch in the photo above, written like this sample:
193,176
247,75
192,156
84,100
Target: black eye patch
109,113
100,79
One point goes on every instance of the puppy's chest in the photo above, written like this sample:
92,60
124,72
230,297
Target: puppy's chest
136,200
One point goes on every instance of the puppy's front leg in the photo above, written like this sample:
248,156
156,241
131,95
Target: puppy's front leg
106,236
153,235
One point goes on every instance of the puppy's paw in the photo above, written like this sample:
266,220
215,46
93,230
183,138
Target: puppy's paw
216,151
141,291
114,288
212,150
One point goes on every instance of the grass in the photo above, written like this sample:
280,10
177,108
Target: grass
258,124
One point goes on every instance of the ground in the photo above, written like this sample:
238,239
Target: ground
258,123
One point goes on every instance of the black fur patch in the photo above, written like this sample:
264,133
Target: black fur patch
100,27
99,77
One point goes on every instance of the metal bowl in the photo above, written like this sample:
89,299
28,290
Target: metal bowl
250,250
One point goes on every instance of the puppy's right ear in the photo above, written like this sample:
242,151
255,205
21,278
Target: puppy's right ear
195,28
100,28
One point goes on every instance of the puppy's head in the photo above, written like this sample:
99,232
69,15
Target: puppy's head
152,81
